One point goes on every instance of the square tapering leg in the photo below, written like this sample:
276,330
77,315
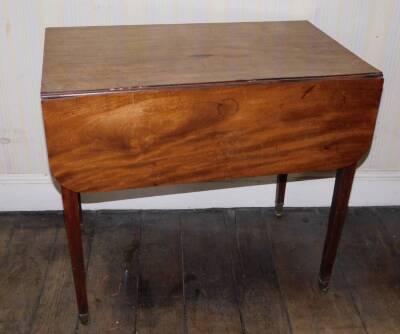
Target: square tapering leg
337,216
72,219
280,194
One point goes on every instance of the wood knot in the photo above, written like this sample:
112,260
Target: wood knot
228,107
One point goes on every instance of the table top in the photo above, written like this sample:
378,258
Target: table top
85,60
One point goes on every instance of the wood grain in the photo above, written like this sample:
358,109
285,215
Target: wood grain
24,270
148,138
56,311
36,290
112,277
297,240
87,59
260,299
6,229
72,222
372,266
337,217
160,308
210,296
281,181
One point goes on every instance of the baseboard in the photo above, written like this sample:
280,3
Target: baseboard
27,192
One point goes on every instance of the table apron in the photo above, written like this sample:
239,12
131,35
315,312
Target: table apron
146,138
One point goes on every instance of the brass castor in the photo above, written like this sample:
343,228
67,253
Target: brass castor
323,285
84,318
279,210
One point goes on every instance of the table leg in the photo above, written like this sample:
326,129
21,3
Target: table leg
280,194
80,207
337,216
72,217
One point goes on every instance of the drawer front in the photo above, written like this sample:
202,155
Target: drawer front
171,136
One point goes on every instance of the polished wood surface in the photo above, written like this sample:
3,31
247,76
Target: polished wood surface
337,216
138,139
267,284
79,60
72,221
281,180
140,106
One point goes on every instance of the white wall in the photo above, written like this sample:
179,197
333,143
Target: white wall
370,28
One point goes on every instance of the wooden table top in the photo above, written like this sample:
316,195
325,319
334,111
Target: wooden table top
83,60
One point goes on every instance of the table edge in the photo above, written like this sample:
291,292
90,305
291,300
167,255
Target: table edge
54,95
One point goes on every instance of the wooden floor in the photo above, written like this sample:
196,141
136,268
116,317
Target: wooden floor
208,271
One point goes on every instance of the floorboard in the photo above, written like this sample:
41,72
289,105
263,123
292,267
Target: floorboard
113,273
261,303
202,271
24,269
297,241
161,288
6,231
371,262
55,312
210,298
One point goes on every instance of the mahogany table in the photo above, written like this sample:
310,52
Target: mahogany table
142,106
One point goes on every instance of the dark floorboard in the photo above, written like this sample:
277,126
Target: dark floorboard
202,271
